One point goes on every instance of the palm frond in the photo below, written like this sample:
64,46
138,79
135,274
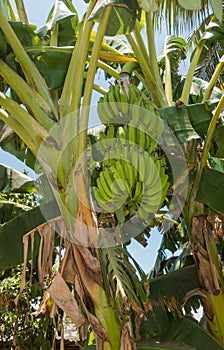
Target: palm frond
179,20
207,66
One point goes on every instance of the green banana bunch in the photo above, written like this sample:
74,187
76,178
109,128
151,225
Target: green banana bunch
136,184
113,107
145,117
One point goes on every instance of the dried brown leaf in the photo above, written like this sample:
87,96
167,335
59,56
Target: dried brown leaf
63,297
127,342
68,268
89,280
23,281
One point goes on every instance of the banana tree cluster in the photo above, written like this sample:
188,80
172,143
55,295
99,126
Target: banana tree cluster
118,184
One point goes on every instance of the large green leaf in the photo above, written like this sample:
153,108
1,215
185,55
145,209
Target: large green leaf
12,232
122,17
52,64
167,290
65,15
192,122
178,120
13,180
211,190
9,210
184,334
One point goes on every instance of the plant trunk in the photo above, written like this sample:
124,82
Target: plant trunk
209,273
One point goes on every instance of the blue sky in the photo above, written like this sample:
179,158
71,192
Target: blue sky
37,11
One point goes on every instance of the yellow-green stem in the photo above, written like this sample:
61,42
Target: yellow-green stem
19,130
99,89
33,130
213,80
21,11
216,326
157,94
73,86
152,48
168,80
141,44
206,148
188,82
30,70
54,42
90,79
106,68
12,15
28,96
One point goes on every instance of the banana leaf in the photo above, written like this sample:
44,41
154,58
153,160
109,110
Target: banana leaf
122,18
169,289
12,232
65,15
192,122
9,210
211,190
184,334
52,63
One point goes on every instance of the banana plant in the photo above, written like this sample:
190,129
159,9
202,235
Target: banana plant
52,107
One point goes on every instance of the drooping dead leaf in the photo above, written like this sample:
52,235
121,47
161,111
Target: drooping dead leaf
46,232
62,296
68,268
89,280
23,281
127,343
91,261
86,221
201,246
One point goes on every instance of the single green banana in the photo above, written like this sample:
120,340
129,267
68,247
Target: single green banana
111,131
134,163
107,196
124,102
136,110
120,181
139,189
117,93
141,166
106,183
141,138
120,169
132,94
131,134
100,200
112,102
103,114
